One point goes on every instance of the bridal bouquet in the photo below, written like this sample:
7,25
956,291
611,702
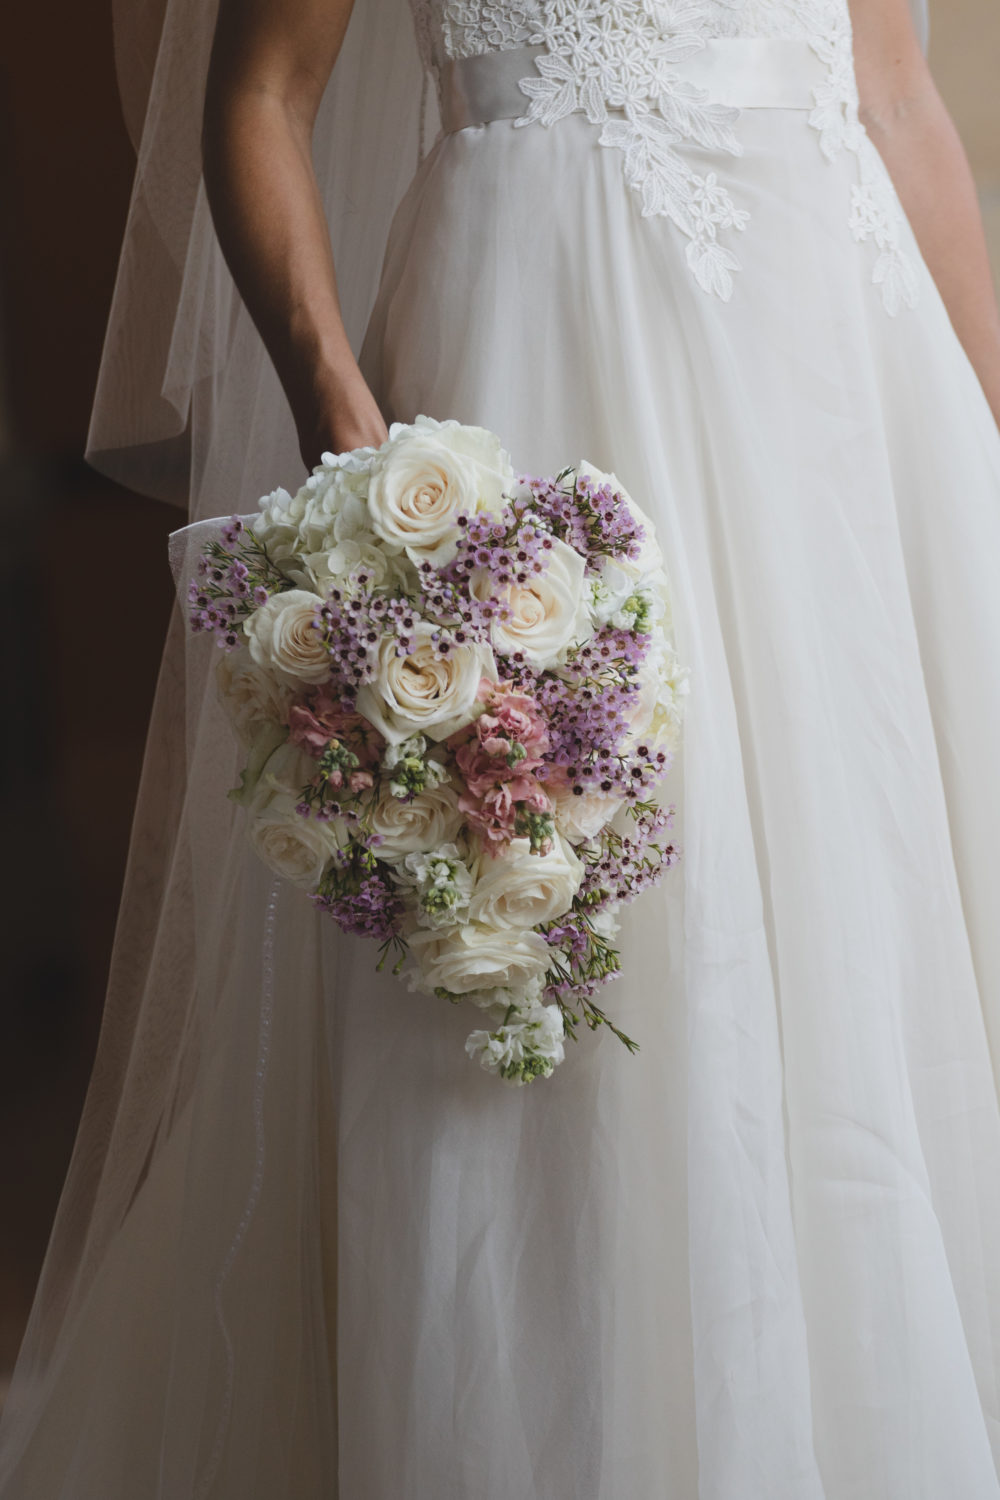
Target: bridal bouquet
457,692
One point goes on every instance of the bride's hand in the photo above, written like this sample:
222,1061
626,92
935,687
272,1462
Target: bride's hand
336,423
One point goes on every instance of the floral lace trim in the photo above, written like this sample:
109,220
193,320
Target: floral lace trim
621,55
875,212
474,27
604,55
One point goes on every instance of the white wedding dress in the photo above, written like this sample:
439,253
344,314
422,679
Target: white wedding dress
760,1260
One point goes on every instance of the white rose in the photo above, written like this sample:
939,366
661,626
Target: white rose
582,817
294,846
547,614
420,694
463,959
297,848
274,766
286,769
425,474
250,696
521,889
282,636
650,557
429,819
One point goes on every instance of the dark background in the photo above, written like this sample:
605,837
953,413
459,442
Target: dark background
77,686
77,682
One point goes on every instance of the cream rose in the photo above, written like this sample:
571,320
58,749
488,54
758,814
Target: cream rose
425,475
283,637
521,889
273,766
420,694
250,696
582,817
299,849
547,614
463,959
286,769
427,821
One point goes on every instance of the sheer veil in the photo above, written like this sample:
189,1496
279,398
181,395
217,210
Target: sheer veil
195,1238
187,405
190,1274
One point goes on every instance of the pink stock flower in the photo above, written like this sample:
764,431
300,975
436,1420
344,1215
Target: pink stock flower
511,716
506,741
480,770
317,718
494,814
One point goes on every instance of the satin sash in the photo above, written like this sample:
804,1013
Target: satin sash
745,72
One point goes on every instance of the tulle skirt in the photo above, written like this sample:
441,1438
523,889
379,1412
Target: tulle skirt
760,1260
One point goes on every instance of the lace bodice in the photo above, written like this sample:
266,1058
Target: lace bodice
468,28
617,61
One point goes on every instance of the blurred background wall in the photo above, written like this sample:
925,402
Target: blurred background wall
965,56
77,695
77,687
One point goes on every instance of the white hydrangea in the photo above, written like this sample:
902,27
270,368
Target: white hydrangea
337,537
277,529
664,685
322,534
529,1045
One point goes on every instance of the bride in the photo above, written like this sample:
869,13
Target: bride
305,1249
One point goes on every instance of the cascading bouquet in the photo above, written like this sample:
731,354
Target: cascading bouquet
458,692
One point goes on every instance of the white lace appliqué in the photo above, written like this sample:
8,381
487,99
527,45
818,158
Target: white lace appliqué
604,55
875,213
473,27
621,56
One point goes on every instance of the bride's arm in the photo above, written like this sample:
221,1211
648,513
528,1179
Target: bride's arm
271,60
906,118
